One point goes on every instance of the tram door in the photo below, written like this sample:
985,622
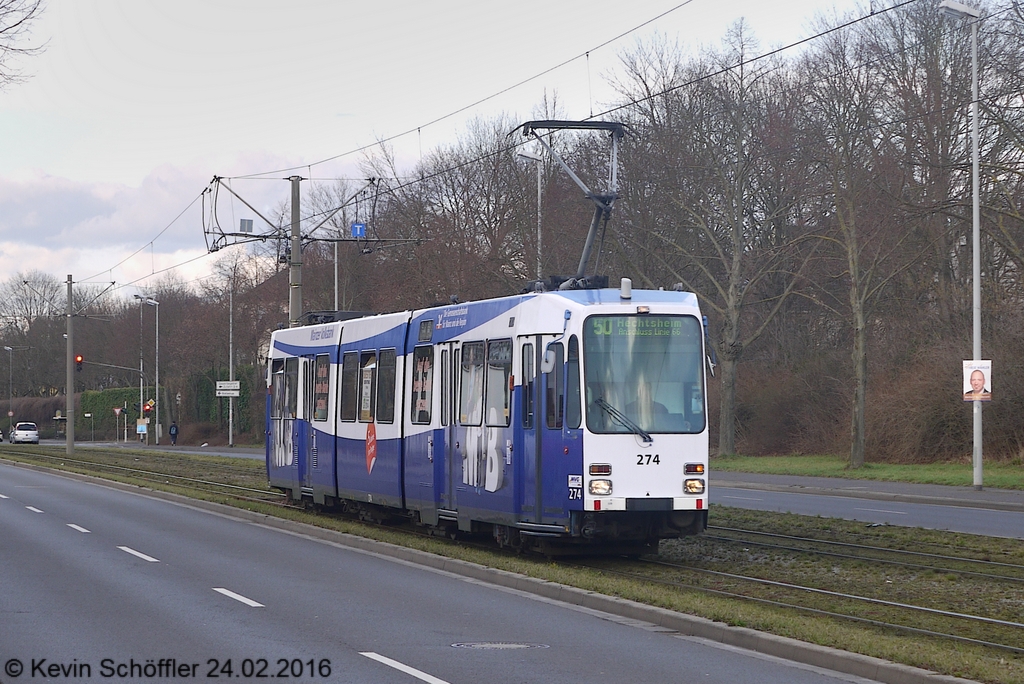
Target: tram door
448,456
542,400
305,442
284,406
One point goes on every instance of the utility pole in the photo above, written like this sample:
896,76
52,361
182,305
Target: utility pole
295,268
70,433
231,361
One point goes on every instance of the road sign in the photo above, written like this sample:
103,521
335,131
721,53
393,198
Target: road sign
358,230
10,414
117,410
228,388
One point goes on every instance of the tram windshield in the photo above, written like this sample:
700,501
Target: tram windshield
643,374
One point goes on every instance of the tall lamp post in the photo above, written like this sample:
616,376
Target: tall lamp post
957,10
10,385
154,303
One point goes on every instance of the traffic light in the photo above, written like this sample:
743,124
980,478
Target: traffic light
147,407
78,362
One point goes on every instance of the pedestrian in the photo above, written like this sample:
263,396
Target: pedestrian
173,431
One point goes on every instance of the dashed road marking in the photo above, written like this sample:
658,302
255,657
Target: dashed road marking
77,527
138,554
401,667
238,597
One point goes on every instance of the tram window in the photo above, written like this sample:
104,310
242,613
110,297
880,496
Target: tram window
386,377
573,412
291,388
367,386
554,388
422,384
528,381
499,372
349,385
446,373
277,393
471,399
321,386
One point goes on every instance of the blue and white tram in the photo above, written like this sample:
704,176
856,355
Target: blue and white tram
550,419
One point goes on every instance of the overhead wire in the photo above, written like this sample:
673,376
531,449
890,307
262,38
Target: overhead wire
409,181
418,129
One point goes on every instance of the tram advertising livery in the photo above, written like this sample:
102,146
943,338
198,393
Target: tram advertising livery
567,420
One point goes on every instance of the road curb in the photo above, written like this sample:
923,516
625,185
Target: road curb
876,496
690,625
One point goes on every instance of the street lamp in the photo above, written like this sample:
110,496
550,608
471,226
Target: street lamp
957,10
10,385
151,302
540,170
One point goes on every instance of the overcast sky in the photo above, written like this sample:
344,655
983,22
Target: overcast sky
134,106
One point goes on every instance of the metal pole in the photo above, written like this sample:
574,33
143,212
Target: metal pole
141,400
70,434
976,245
231,362
10,391
295,269
157,381
540,169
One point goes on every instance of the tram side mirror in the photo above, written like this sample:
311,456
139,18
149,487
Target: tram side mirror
711,365
547,364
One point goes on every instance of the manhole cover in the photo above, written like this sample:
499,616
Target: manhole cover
497,645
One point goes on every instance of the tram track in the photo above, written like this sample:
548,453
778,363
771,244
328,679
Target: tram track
239,483
1012,572
838,598
785,573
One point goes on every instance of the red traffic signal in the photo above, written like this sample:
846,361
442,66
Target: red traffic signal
78,361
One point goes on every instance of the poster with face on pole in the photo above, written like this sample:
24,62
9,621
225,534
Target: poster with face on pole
977,381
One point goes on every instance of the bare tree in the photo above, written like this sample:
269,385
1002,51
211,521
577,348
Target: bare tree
726,226
16,19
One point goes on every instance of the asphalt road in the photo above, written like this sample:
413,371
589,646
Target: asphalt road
990,512
96,579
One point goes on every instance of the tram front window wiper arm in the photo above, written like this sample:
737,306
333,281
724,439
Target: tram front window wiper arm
623,419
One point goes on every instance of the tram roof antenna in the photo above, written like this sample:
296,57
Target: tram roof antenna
602,201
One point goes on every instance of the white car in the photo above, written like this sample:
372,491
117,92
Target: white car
25,433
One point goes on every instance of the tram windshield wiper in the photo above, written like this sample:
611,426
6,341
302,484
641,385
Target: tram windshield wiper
624,420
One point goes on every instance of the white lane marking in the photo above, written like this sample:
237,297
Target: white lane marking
238,597
143,556
2,496
879,510
33,509
76,527
741,498
423,676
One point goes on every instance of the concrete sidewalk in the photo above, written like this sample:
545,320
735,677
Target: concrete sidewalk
995,499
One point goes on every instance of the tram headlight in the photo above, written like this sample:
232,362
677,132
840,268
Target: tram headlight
600,487
693,486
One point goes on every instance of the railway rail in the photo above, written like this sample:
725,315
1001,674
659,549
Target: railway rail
767,581
116,466
1009,572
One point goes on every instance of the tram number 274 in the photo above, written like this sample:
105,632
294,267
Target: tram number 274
648,459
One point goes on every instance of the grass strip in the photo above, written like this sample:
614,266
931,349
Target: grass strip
961,660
